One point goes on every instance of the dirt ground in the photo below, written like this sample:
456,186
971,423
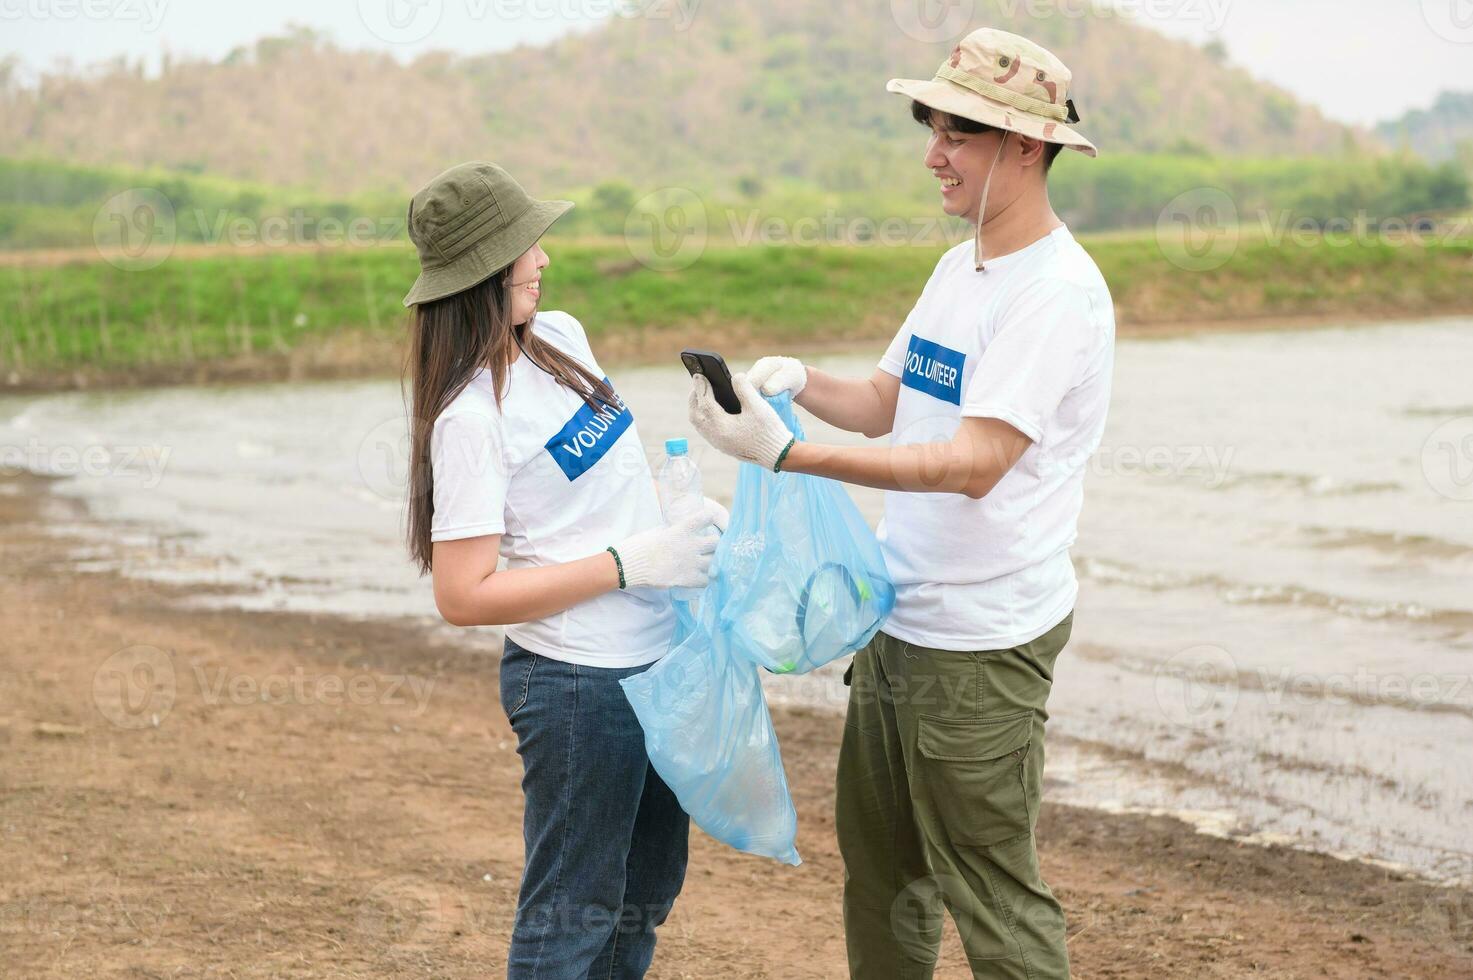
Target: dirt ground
192,793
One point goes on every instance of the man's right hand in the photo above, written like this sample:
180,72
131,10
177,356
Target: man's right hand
854,405
774,375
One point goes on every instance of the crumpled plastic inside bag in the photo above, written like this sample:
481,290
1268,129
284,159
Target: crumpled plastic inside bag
798,581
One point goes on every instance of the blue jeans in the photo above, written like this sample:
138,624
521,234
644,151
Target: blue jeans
606,839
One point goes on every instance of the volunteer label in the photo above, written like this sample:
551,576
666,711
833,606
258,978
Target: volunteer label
587,436
934,369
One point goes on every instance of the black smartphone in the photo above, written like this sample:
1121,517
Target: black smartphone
712,367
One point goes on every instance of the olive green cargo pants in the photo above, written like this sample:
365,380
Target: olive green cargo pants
940,776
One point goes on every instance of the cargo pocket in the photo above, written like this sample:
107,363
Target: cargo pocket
975,770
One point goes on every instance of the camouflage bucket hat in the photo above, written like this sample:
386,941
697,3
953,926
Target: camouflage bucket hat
468,224
1006,81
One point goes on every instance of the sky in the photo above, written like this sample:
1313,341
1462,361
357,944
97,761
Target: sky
1360,61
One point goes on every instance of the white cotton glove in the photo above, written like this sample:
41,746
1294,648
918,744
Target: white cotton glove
772,375
757,435
676,556
721,516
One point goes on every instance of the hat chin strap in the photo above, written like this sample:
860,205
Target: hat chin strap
986,190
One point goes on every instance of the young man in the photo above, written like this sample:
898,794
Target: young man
994,394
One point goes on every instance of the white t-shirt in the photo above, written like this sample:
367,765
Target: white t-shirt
1029,341
559,482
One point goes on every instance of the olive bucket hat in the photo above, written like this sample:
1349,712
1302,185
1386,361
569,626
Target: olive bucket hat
468,224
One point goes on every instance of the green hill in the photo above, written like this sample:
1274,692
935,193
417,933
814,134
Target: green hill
748,94
1443,132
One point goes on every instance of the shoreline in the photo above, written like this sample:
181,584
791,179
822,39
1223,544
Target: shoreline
256,822
351,356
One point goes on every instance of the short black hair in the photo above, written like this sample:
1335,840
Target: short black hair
936,119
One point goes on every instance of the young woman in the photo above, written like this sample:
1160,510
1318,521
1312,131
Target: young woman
523,449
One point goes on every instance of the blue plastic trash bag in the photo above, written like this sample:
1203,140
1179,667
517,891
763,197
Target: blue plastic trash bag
710,738
798,581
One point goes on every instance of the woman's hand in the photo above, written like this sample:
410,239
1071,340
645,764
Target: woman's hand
677,556
721,516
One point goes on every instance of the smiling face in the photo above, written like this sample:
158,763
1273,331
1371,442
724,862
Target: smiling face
524,280
960,162
960,154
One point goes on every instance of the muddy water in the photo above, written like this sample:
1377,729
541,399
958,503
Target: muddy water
1275,632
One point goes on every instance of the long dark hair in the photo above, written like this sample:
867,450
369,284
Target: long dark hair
450,340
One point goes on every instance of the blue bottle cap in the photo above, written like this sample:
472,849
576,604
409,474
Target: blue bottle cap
676,447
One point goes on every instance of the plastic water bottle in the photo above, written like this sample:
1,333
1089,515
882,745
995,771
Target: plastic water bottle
679,485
